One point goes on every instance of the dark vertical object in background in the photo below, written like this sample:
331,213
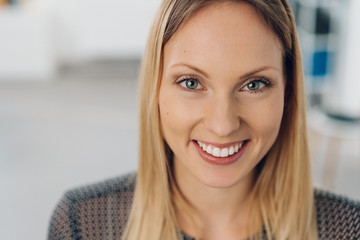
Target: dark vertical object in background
322,23
314,21
322,54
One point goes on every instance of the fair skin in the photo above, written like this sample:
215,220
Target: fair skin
222,90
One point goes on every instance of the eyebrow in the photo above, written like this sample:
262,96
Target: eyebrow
260,69
191,67
246,75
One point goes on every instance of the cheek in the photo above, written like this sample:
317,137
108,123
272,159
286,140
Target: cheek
175,116
265,118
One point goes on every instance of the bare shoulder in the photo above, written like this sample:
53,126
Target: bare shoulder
338,217
94,211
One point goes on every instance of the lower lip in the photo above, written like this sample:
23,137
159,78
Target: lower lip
223,161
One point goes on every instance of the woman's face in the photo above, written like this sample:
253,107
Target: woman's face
222,94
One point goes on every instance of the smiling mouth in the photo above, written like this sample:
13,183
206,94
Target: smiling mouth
221,152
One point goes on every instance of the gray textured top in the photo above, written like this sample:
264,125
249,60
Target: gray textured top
100,211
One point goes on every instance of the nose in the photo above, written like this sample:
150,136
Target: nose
222,118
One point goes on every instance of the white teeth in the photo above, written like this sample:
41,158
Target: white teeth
224,152
216,152
209,150
204,147
231,150
220,152
236,148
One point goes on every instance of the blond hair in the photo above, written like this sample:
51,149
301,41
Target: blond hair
282,194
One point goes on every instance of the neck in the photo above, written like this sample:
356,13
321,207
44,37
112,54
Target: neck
216,212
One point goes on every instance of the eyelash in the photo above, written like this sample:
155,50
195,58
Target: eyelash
262,80
185,78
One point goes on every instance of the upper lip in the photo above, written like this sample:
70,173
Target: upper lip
221,145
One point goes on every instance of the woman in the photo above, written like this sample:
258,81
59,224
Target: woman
223,147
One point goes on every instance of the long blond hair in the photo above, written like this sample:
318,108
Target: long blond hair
282,194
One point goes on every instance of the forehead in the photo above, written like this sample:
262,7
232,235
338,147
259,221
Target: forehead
228,32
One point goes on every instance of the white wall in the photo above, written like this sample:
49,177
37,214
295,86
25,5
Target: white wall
101,28
26,46
41,33
343,97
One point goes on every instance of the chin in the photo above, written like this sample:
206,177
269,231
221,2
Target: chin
224,179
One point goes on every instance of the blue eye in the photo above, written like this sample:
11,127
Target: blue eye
190,83
253,86
256,85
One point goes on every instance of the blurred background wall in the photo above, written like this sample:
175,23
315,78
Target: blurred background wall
38,35
329,38
68,106
68,83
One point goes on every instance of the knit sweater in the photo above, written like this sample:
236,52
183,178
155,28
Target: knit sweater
100,211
